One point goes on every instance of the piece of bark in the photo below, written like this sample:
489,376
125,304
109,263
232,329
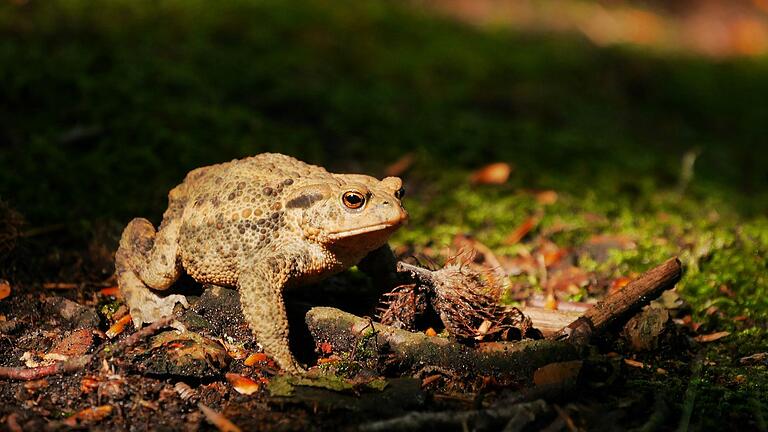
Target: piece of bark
414,351
549,321
636,294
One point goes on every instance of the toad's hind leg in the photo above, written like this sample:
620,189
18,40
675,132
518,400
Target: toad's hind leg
149,260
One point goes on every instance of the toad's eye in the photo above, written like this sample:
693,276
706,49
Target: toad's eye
353,199
400,193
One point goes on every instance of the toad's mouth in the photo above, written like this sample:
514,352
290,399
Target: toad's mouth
338,235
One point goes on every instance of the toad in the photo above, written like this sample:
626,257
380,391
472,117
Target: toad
260,224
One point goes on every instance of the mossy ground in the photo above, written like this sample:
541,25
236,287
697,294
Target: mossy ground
105,106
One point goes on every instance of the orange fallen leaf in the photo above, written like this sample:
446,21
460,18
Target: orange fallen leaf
618,283
546,197
111,292
118,327
255,358
429,380
637,364
634,363
243,384
89,415
221,423
522,230
711,337
570,279
59,285
89,384
326,348
430,332
550,302
495,173
5,289
36,385
327,360
400,166
556,373
234,350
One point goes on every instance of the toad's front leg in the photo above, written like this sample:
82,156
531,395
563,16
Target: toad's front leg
261,297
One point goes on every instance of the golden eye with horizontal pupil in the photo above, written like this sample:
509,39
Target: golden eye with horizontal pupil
400,193
353,200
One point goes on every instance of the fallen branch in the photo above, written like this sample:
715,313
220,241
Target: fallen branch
413,351
631,298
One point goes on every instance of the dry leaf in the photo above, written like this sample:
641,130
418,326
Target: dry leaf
5,289
753,359
570,279
495,173
711,337
550,302
75,344
111,292
255,358
557,373
234,350
89,384
400,166
546,197
243,384
59,285
430,332
522,230
89,415
618,283
216,419
118,327
634,363
429,380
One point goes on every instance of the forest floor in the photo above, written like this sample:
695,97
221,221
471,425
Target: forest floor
607,161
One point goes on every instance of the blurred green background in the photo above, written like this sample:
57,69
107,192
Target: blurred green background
108,104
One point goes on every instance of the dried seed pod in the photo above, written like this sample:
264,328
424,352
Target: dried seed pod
459,296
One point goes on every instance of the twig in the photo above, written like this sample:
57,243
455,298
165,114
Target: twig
77,363
632,297
143,333
28,374
522,413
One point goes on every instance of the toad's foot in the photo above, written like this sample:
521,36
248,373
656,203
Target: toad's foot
154,307
145,305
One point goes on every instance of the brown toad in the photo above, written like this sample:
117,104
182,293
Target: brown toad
260,224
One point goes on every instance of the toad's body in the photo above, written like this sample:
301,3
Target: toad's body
261,224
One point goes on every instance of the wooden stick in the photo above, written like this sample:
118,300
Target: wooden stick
632,297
